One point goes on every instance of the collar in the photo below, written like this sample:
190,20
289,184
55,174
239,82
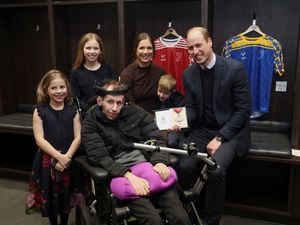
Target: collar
211,64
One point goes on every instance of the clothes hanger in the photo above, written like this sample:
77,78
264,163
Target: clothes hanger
170,32
253,29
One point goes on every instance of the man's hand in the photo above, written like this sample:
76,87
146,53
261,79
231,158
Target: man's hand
213,146
140,185
162,170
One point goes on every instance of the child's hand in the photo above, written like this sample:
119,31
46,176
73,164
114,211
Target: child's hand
175,128
59,167
64,160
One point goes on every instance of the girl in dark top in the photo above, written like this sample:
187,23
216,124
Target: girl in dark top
142,76
89,67
56,129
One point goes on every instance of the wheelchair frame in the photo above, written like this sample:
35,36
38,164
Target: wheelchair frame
102,210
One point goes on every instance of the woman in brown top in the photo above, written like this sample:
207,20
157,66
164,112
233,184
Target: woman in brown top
142,75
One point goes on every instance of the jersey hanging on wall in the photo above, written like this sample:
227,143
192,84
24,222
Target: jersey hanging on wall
172,55
262,57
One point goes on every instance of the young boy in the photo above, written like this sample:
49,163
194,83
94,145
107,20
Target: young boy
170,98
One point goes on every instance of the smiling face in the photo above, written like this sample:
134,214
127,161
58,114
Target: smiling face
144,53
91,51
199,47
57,91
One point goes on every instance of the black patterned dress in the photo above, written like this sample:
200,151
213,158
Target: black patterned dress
51,192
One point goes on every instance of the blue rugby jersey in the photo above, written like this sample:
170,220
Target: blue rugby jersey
262,57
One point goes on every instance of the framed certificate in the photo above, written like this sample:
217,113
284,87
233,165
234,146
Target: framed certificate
167,118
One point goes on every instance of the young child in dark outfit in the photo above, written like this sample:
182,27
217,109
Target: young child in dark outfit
170,98
56,129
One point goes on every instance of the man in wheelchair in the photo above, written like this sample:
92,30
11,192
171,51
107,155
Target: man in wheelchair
108,132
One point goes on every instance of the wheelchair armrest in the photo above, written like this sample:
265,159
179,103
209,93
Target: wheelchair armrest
98,174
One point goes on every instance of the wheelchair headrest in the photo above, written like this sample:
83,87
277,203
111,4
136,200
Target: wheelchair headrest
101,91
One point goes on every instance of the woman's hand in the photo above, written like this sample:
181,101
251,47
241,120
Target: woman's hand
162,170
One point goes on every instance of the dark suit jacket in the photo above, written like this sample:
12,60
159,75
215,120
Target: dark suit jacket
231,101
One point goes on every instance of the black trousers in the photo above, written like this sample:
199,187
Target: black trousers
168,201
189,167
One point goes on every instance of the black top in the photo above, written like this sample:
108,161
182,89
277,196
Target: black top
82,83
58,125
176,99
209,119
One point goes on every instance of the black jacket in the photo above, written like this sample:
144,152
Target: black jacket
175,100
231,101
102,139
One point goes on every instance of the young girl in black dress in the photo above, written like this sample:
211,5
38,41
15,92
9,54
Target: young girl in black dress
56,128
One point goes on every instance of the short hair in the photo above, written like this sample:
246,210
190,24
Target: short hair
110,87
167,82
202,30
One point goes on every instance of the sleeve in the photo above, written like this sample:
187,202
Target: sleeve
127,78
76,90
241,102
97,153
74,84
190,99
112,73
278,58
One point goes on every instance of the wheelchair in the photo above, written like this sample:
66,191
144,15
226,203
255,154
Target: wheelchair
100,207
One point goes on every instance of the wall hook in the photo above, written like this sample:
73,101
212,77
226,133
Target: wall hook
37,28
98,26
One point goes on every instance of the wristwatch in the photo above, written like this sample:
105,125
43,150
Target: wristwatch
218,138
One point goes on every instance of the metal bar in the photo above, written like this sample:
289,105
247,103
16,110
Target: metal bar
202,156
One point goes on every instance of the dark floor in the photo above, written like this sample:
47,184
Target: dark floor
12,206
16,161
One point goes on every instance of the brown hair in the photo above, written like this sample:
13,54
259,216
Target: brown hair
80,60
140,37
41,92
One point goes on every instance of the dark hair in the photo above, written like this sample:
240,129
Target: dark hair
110,87
140,37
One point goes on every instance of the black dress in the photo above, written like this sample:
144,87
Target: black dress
51,192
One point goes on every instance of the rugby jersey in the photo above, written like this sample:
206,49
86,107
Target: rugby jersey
172,55
262,57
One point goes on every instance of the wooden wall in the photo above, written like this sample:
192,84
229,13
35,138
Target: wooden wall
43,34
279,19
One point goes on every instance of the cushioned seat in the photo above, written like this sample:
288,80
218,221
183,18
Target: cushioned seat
16,123
270,139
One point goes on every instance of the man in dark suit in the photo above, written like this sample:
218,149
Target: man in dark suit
218,110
